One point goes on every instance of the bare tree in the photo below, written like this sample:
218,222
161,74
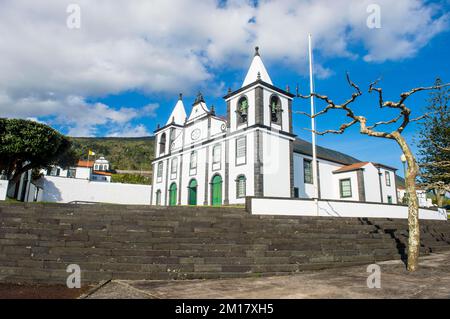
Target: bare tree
403,118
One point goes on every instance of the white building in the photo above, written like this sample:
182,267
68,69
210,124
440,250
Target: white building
97,170
203,159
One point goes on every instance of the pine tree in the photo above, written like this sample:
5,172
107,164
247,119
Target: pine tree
434,144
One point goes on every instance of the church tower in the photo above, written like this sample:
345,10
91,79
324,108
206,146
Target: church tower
263,112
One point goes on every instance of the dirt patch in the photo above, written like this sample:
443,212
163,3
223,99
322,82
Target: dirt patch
16,291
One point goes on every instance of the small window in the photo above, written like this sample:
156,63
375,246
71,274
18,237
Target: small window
345,188
307,171
160,172
296,192
174,167
217,153
217,156
389,198
387,176
275,109
240,186
193,163
242,110
241,150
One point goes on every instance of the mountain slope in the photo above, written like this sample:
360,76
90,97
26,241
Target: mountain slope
123,153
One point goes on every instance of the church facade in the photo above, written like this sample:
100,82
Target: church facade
204,159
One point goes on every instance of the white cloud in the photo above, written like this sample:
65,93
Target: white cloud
130,131
159,46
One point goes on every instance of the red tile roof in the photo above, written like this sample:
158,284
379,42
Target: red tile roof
351,167
85,163
102,173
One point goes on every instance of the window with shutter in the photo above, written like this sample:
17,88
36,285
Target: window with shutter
193,163
217,155
240,186
174,168
307,171
160,172
241,150
345,187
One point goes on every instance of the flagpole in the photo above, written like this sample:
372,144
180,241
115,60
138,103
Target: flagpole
313,128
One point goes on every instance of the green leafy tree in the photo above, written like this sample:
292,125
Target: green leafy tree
434,144
26,145
131,179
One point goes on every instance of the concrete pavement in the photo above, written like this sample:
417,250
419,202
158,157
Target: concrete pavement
432,280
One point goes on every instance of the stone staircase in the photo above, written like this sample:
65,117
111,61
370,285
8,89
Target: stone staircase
39,241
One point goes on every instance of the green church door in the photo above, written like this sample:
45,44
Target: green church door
192,192
216,190
173,194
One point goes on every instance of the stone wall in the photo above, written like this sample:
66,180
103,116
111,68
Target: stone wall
39,241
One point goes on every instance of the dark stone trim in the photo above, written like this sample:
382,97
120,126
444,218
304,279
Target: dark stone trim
318,180
380,183
361,189
248,204
291,167
236,148
180,185
259,106
258,166
268,128
324,159
205,199
226,200
377,165
166,126
290,116
228,114
260,82
167,183
395,188
153,184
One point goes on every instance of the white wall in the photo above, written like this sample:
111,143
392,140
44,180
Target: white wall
302,207
276,165
64,190
388,190
354,185
3,189
371,183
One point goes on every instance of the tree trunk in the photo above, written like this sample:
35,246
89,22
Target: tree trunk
440,198
413,204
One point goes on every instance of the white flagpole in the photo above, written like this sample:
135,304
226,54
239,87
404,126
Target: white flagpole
313,128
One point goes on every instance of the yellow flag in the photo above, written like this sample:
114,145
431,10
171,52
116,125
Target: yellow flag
91,153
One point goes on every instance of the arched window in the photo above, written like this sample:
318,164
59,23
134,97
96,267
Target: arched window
162,144
242,110
275,109
240,186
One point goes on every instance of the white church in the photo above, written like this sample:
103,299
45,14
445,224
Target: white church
204,159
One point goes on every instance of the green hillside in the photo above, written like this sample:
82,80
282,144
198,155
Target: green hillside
123,153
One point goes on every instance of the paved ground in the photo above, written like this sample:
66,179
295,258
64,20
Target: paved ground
15,291
432,280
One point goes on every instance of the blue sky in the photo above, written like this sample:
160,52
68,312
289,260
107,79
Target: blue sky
120,73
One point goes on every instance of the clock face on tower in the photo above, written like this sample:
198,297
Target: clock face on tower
195,134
